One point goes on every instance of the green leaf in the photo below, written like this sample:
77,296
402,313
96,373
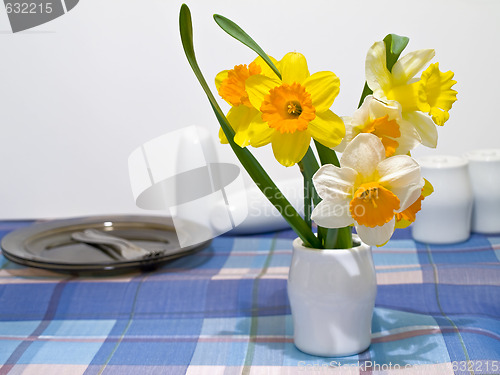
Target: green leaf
239,34
394,45
366,91
247,160
308,166
326,155
186,31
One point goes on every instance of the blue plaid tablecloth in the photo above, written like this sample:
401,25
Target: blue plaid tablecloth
224,310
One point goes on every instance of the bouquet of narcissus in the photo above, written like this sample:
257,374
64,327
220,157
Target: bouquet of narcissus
375,186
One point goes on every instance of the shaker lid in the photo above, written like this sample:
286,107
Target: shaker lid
442,161
492,154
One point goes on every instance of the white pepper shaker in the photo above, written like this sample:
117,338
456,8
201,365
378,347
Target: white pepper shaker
484,173
445,216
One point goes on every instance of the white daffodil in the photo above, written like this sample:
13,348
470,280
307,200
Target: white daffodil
367,191
384,120
431,93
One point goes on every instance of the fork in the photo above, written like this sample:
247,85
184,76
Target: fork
122,247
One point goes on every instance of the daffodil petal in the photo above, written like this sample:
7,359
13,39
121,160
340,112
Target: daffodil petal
363,154
324,88
266,70
439,116
219,78
373,109
409,137
438,93
239,121
222,137
260,132
406,67
293,68
350,133
428,189
290,148
377,108
258,86
240,118
327,128
376,73
424,126
332,214
403,223
398,171
332,182
408,195
376,236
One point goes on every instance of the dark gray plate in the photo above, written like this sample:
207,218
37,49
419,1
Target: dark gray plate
49,245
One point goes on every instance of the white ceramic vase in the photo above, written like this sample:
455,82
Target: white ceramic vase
332,296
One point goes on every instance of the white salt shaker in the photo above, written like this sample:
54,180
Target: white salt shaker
484,172
446,214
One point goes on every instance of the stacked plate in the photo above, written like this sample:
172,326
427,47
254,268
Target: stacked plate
51,245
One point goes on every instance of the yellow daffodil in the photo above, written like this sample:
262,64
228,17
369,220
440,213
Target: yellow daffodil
368,190
294,110
230,85
384,120
431,93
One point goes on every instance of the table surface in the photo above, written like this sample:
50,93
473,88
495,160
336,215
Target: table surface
225,310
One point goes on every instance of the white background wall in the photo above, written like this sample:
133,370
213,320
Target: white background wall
78,94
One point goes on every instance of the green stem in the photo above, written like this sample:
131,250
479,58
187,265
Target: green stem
344,239
308,166
331,238
307,203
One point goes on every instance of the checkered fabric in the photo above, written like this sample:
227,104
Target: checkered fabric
225,310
